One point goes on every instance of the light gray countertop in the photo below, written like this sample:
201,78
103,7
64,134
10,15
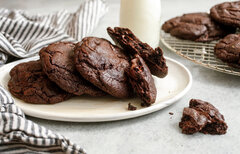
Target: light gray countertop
157,132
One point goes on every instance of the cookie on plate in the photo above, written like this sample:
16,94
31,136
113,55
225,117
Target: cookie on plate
128,41
197,27
228,50
227,13
30,84
142,81
58,64
104,65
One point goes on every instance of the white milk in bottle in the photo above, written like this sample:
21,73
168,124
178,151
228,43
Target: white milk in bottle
143,18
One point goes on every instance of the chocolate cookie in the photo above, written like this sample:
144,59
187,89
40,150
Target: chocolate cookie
202,117
58,64
228,50
104,65
197,27
227,13
30,84
142,81
128,41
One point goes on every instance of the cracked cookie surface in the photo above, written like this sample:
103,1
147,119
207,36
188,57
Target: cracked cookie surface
197,27
227,13
228,50
30,84
104,65
58,63
131,44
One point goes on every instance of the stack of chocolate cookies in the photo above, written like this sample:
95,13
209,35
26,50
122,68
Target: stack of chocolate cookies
222,22
94,67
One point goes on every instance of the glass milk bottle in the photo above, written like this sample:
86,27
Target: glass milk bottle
143,18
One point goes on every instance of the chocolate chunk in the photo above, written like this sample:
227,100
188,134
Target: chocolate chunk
202,117
128,41
197,27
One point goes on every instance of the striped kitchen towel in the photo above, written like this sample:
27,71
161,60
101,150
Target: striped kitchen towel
23,35
19,135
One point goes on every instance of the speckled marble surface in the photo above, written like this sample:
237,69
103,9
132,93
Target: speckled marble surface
157,132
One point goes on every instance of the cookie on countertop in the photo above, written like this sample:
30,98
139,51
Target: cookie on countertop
142,81
228,50
202,117
197,27
131,44
103,64
58,63
30,84
227,13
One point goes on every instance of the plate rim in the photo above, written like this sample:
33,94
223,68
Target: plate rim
118,116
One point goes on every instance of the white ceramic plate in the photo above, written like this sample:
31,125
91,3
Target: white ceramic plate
90,109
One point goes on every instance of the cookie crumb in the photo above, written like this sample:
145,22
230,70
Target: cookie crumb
131,107
171,113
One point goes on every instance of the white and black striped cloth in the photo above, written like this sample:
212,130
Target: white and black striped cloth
23,35
19,135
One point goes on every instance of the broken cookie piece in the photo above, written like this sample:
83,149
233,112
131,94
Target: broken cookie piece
202,117
142,81
129,42
192,121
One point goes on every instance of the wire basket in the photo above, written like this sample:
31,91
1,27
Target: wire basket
197,52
